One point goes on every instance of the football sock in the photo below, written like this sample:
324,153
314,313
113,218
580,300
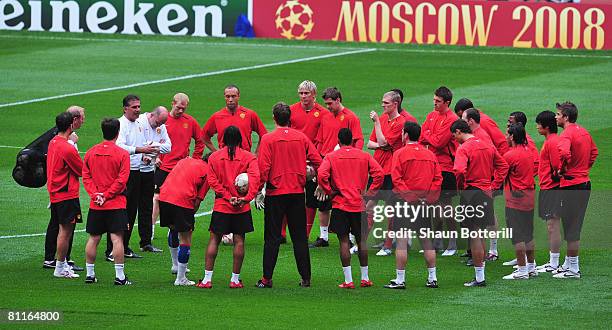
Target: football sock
431,276
182,270
480,274
554,260
184,251
59,266
493,246
566,263
152,231
352,238
531,266
324,232
174,255
207,276
173,240
235,278
573,264
523,269
119,271
90,270
364,273
400,276
348,276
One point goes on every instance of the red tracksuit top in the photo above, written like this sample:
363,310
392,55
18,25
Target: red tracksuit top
308,122
64,167
282,161
578,153
482,135
245,119
416,174
549,161
497,136
436,130
392,130
327,137
181,130
476,163
106,170
407,116
520,179
187,182
534,151
222,175
344,172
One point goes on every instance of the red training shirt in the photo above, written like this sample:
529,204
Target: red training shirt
308,122
436,136
106,170
520,179
392,131
64,167
534,151
549,161
327,137
482,135
476,163
407,116
344,176
578,153
181,130
416,174
282,161
222,175
497,136
245,119
186,184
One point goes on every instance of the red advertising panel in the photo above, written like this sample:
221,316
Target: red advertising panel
472,23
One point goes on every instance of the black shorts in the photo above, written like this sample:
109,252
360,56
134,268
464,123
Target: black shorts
476,199
225,223
342,223
521,223
106,221
159,178
66,212
549,204
414,222
575,200
449,187
175,217
386,191
312,202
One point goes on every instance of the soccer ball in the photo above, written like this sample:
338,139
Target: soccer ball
242,184
294,20
228,239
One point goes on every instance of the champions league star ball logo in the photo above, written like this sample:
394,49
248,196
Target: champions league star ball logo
294,20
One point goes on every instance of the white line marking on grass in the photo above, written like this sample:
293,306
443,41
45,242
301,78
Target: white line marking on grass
11,147
83,230
191,76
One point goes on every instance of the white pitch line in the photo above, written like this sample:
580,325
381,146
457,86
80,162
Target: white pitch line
83,230
191,76
11,147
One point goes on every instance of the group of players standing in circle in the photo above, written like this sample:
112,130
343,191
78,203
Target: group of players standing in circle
313,160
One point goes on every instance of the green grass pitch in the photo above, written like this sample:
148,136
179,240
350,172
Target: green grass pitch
35,66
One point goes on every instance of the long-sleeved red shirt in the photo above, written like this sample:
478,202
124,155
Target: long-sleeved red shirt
181,130
327,137
416,174
578,153
282,161
519,187
64,167
437,137
308,122
549,162
245,119
344,175
534,151
407,116
497,136
476,163
482,135
222,175
106,170
186,184
392,131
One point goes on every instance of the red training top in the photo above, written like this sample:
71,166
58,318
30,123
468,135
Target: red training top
245,119
186,184
482,135
181,130
308,122
327,137
282,161
436,136
519,188
106,170
578,153
496,135
344,176
549,162
476,163
64,167
416,174
222,175
534,151
408,116
392,130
